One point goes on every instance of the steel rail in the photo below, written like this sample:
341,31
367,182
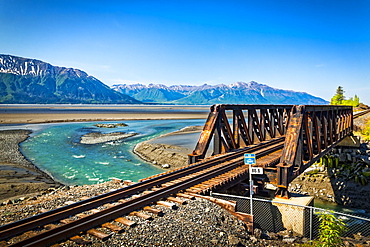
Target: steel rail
359,114
18,227
70,229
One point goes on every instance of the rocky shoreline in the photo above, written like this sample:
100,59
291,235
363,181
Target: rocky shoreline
162,155
165,155
336,184
18,176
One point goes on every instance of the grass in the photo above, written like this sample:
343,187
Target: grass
365,132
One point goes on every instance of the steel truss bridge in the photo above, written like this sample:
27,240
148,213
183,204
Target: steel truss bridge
307,132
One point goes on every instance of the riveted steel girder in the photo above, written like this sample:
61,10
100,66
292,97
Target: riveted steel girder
310,132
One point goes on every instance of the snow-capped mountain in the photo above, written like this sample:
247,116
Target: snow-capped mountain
235,93
24,80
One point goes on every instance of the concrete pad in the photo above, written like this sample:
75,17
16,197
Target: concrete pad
292,212
350,141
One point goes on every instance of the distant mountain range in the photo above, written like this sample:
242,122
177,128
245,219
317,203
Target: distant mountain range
24,80
236,93
31,81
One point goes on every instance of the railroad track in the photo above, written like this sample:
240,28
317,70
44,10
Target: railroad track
359,114
155,188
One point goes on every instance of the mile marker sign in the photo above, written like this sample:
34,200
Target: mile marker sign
256,170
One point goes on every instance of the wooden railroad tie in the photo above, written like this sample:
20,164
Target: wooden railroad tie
185,196
113,227
167,204
177,200
155,211
98,234
80,240
125,222
141,215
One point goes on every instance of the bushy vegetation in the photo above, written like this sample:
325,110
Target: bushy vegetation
358,172
331,229
340,99
365,132
313,172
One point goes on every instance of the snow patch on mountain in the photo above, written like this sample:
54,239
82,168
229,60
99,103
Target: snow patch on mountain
234,93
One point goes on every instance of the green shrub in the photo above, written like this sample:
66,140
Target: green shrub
330,231
312,172
366,131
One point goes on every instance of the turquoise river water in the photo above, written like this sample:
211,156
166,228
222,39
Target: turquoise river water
55,149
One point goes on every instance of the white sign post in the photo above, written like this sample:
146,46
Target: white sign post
250,159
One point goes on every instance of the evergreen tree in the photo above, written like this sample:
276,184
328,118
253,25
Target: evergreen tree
356,100
338,97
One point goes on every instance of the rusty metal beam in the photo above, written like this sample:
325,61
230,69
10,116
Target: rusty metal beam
311,133
251,124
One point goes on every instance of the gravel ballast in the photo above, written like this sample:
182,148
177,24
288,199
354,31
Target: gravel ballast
197,223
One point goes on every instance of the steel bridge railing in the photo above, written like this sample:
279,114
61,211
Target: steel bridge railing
237,126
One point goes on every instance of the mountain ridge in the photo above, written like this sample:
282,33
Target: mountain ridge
25,80
234,93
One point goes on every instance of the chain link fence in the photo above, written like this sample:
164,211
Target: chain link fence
274,216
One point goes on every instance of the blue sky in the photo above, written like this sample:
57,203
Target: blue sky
312,46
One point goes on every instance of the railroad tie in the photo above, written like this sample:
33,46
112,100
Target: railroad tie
69,202
141,215
195,191
155,189
155,211
206,182
94,210
66,221
43,210
125,222
177,200
200,186
98,234
168,184
108,205
50,226
54,245
80,240
135,196
81,215
113,227
28,234
167,204
185,196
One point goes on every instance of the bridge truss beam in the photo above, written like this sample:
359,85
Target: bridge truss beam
310,132
233,127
